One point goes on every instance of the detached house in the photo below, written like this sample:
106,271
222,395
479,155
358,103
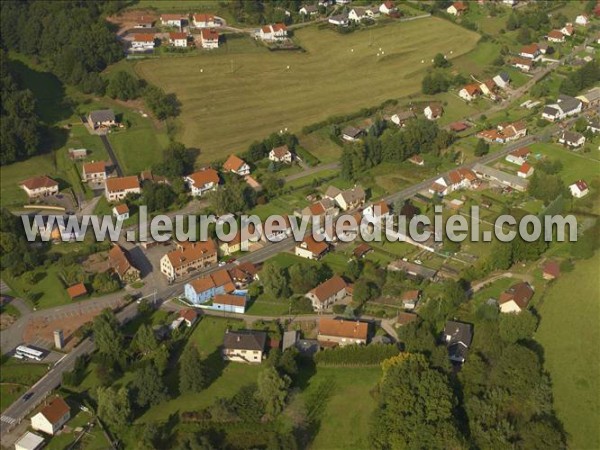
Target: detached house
401,117
565,106
359,14
205,21
551,270
582,20
229,303
309,10
244,346
173,20
531,51
523,64
458,337
42,186
502,80
505,132
120,262
351,198
119,188
209,38
433,111
340,20
142,42
340,332
275,32
579,189
515,298
179,40
410,299
591,98
121,212
188,257
202,181
236,165
327,293
457,8
594,125
470,92
103,118
388,8
52,417
311,249
351,134
94,171
525,171
379,211
203,289
519,156
275,230
281,154
572,139
555,36
568,30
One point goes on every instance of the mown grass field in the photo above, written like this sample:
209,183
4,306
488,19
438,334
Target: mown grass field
224,110
16,378
570,335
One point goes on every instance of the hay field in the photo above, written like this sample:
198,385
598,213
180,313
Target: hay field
223,110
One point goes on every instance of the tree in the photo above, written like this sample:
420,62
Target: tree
114,406
524,35
104,283
272,390
274,281
288,363
191,371
303,278
144,340
581,125
516,327
482,148
161,104
177,161
123,86
108,337
158,196
416,406
440,61
148,387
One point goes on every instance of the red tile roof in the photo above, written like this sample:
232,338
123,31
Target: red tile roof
520,293
316,248
233,163
188,314
143,37
191,251
460,6
123,183
552,268
229,299
279,27
118,260
411,295
94,167
581,185
525,167
122,208
39,182
77,290
343,328
55,410
521,152
204,177
204,17
177,35
556,34
530,49
280,152
472,89
328,288
209,35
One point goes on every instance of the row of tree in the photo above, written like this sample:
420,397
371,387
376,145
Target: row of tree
356,355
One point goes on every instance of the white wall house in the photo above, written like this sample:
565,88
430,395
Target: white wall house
142,42
202,181
209,39
579,189
52,417
119,188
40,187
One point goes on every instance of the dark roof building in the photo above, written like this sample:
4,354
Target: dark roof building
245,340
458,337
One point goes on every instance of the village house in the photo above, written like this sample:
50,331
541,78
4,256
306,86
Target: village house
362,250
203,289
311,249
523,64
515,298
458,337
276,229
327,293
571,139
148,176
594,125
351,198
525,171
531,51
236,165
551,270
142,42
77,154
173,20
488,88
414,271
189,316
504,132
565,106
591,98
457,8
119,188
410,299
377,212
187,257
41,186
202,181
309,10
582,20
229,303
76,291
340,332
29,441
121,212
470,92
234,245
462,178
178,39
500,177
579,189
388,8
568,30
52,417
251,181
120,263
359,14
281,154
518,156
502,80
275,32
319,210
417,160
205,21
351,134
103,118
209,38
340,20
244,346
243,274
433,111
555,36
94,171
401,117
143,21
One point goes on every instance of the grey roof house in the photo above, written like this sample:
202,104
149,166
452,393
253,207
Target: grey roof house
458,337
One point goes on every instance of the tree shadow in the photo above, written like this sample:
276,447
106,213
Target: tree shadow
213,367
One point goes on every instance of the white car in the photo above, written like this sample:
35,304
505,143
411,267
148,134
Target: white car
418,261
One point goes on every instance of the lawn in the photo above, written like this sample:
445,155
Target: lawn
15,378
49,289
257,94
570,335
340,402
576,165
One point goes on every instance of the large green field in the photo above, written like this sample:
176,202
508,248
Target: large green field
570,335
241,95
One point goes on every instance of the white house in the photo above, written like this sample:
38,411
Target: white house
470,92
457,8
202,181
309,10
281,154
142,42
94,171
433,112
568,30
582,20
410,299
244,346
119,188
519,156
579,189
52,417
229,303
531,51
523,64
311,249
350,198
236,165
502,80
179,40
205,21
388,7
515,298
566,106
555,36
327,293
525,171
351,133
571,139
377,211
173,20
340,20
121,212
209,38
359,13
275,32
40,187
